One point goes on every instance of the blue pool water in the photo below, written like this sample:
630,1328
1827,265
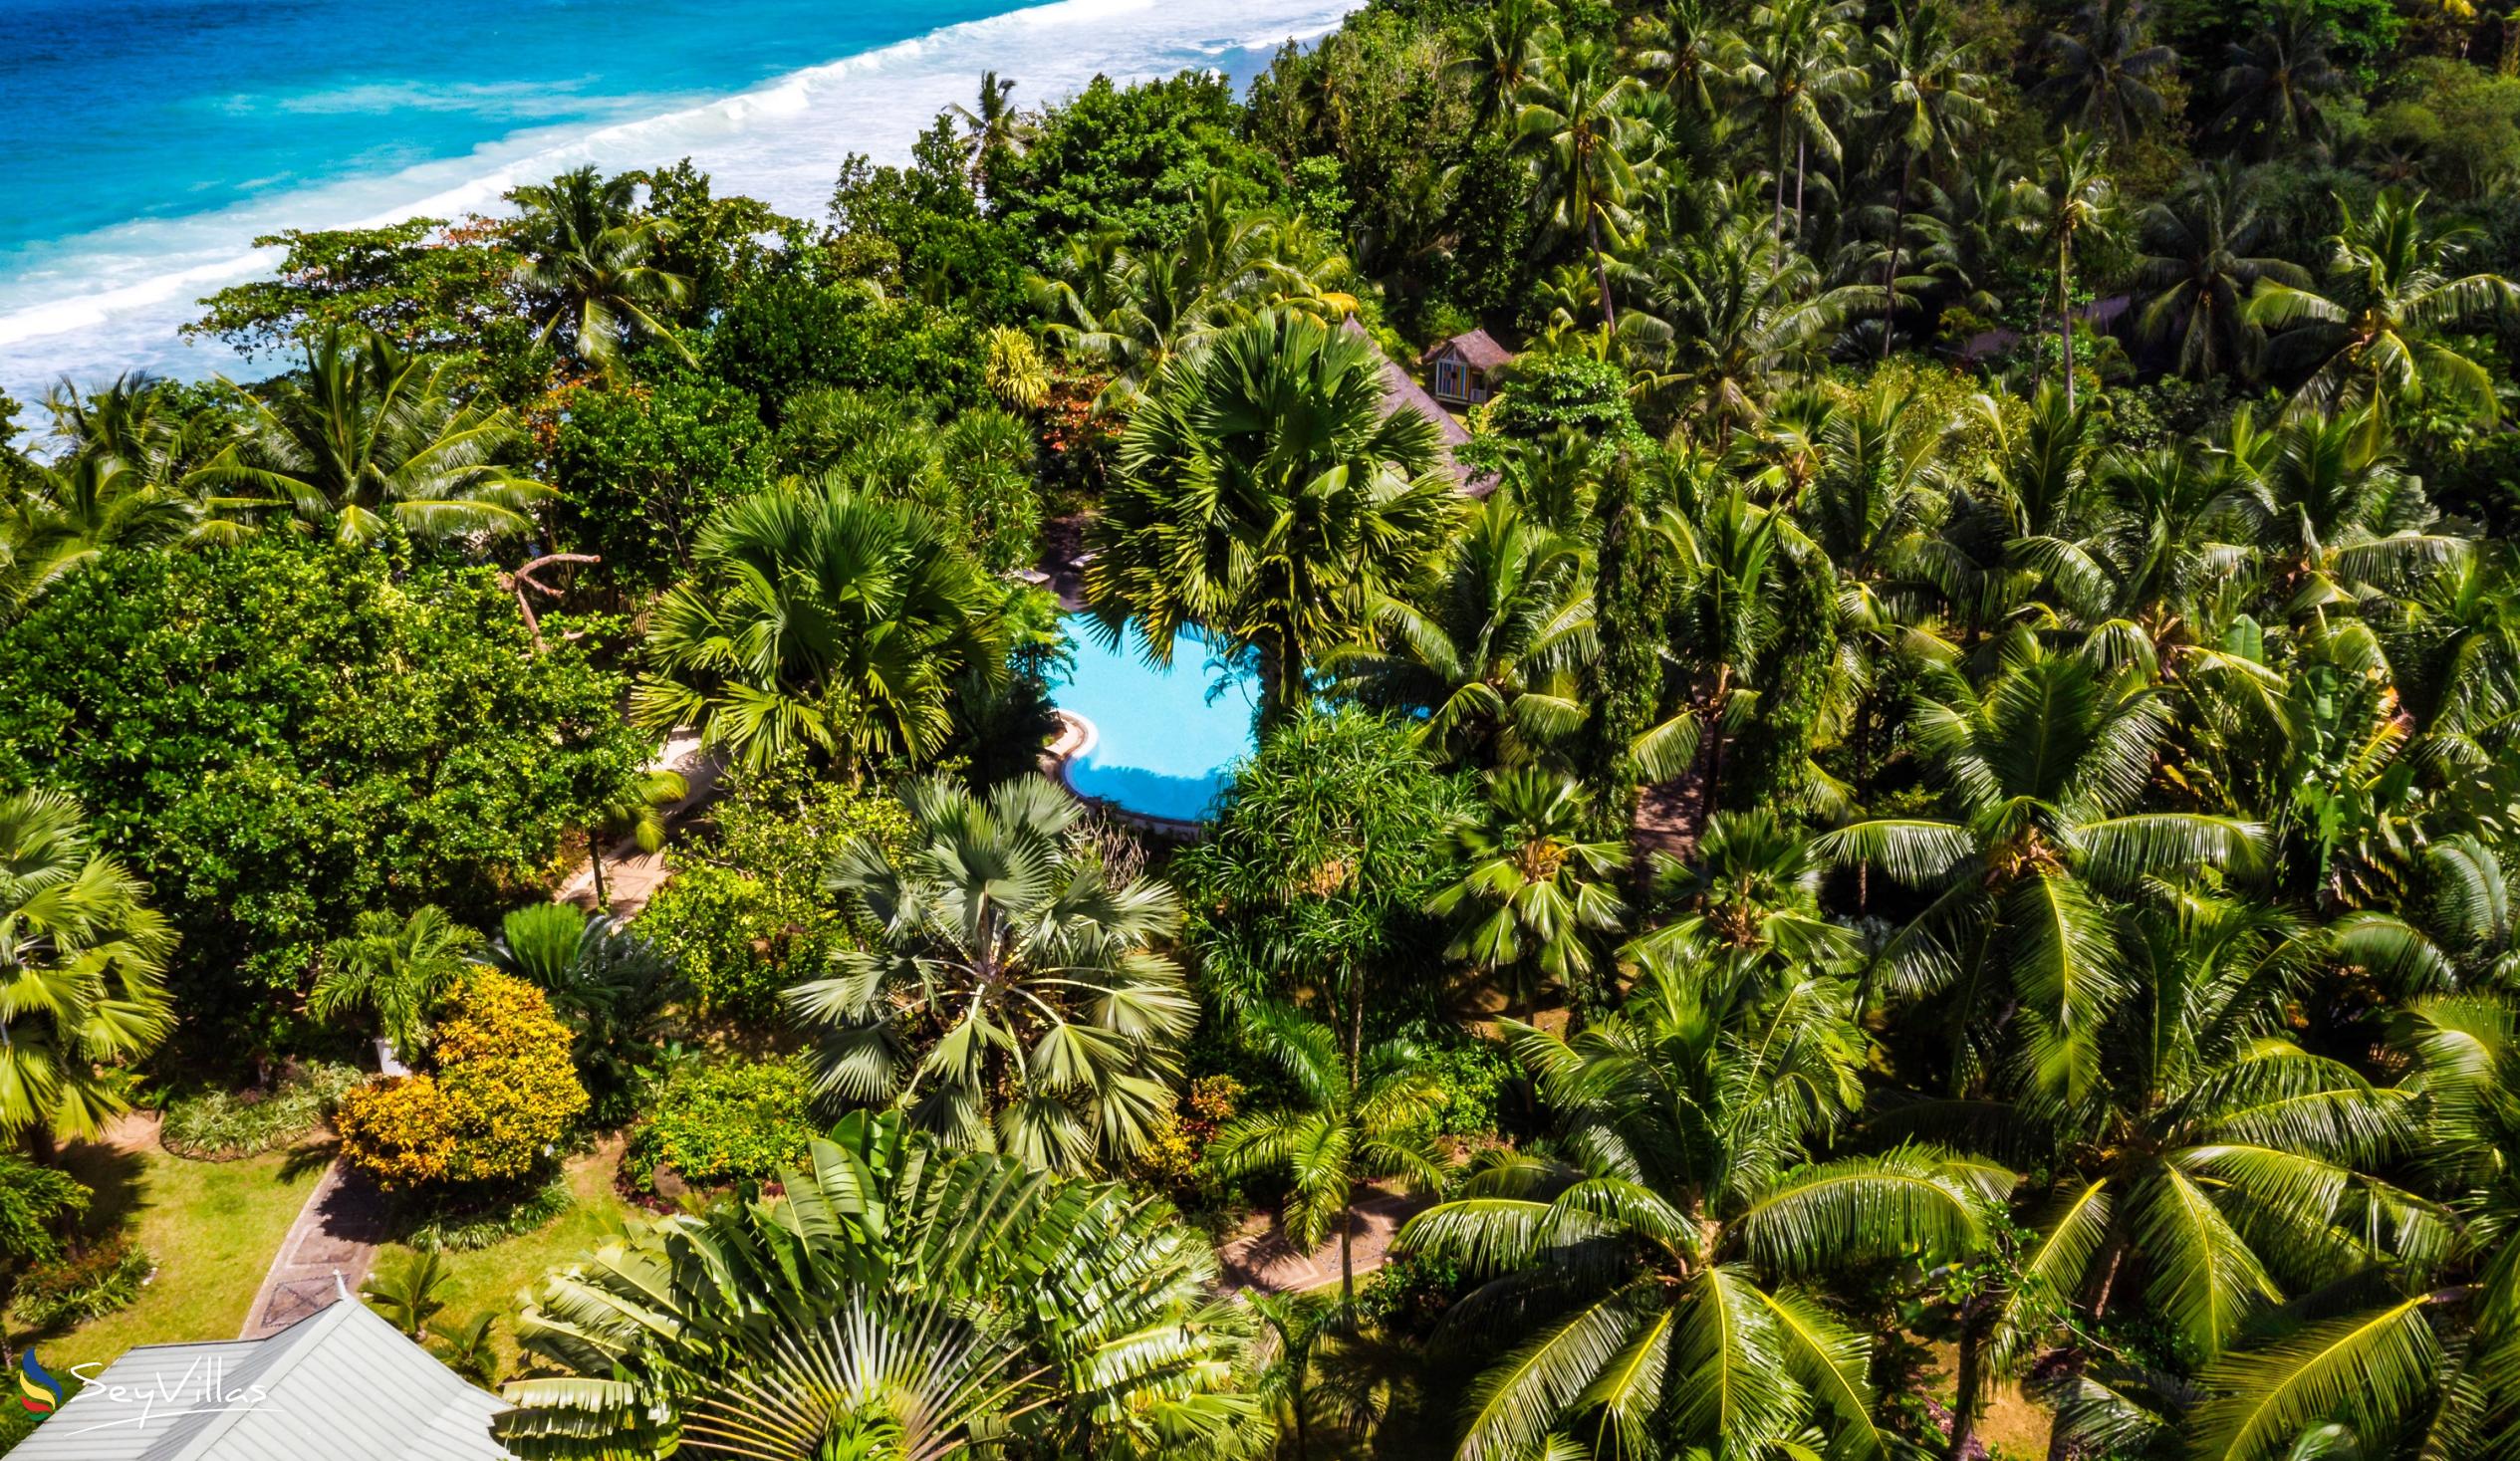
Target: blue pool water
1166,739
146,144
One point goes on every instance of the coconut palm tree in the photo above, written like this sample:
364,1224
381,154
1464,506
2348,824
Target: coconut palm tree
2275,85
1658,1265
588,258
1752,887
1577,114
365,435
2043,766
1694,50
2432,1366
81,964
1132,311
2375,338
820,619
1537,891
1500,60
69,516
1369,1117
1491,653
2199,260
1932,101
1052,1025
900,1298
2216,1165
397,969
2102,64
2074,201
1799,65
1266,497
635,813
1740,312
992,130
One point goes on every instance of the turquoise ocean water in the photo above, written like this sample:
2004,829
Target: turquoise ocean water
144,143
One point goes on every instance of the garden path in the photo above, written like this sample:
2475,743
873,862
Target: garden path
1260,1256
331,1247
631,877
327,1255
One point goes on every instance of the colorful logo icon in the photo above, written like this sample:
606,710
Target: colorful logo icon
38,1391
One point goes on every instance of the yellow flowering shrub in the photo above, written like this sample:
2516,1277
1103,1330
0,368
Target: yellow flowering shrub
502,1093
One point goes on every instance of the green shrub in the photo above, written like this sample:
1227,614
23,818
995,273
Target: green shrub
1471,1076
724,1122
222,1125
86,1286
739,940
471,1226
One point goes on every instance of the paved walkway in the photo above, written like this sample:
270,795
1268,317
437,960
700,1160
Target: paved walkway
329,1253
331,1247
1260,1256
631,877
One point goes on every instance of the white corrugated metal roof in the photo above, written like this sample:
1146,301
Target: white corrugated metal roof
339,1384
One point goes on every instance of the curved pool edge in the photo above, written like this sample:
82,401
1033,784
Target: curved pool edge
1077,737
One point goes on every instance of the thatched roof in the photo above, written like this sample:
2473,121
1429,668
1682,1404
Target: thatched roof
1400,391
1477,348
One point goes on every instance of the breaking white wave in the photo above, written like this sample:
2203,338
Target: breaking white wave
91,307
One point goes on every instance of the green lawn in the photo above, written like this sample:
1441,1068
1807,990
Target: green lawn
212,1227
490,1278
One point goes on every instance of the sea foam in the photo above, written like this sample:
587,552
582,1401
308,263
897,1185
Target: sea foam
111,300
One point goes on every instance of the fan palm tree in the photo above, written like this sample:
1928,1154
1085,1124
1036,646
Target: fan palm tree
1052,1022
1932,101
2275,85
1362,1119
1266,497
2103,62
365,435
821,619
2375,338
81,964
397,969
590,255
1661,1257
893,1286
2042,767
1578,114
2074,201
1537,891
1490,653
1799,65
2198,259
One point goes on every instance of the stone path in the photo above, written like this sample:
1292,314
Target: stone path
1261,1257
327,1254
331,1247
631,877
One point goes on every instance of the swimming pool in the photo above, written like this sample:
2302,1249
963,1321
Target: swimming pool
1161,740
